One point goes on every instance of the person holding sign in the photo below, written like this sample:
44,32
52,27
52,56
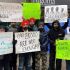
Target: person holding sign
13,57
24,58
44,47
67,37
56,32
33,27
4,59
2,29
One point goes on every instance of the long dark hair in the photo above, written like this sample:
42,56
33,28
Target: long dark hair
56,21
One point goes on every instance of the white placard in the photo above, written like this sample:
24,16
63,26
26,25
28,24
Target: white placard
27,42
10,12
6,46
56,12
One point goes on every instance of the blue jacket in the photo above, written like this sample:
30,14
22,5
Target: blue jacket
44,41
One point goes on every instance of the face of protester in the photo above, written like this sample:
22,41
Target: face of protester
13,24
41,27
2,30
25,28
55,25
32,23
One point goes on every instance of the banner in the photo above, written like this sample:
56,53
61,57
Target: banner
63,49
56,12
6,46
10,12
30,10
27,42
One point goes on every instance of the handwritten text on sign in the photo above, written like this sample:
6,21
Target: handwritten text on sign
56,12
10,12
6,46
27,42
63,49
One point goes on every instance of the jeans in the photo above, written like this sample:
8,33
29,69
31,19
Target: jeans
13,61
24,60
1,64
7,61
33,59
67,64
52,59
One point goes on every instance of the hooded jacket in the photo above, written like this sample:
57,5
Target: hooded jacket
56,34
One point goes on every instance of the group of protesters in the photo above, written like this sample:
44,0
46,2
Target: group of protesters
35,60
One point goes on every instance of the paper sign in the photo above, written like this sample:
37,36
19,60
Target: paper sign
30,10
10,12
63,49
56,12
27,42
6,46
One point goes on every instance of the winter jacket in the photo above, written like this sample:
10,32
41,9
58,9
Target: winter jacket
56,33
53,35
33,28
11,29
44,41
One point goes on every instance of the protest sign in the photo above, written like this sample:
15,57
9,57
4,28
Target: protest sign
30,10
63,49
6,46
10,12
56,12
27,42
